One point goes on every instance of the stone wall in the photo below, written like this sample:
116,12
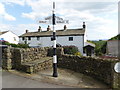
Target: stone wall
15,58
59,52
6,59
100,69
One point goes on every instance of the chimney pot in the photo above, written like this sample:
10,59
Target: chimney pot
26,31
84,26
48,28
39,29
65,27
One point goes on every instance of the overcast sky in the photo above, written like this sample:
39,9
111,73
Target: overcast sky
101,17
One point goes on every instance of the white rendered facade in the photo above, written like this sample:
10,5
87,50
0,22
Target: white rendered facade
10,37
62,40
64,37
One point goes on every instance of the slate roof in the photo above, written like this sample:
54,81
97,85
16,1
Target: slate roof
89,43
67,32
3,32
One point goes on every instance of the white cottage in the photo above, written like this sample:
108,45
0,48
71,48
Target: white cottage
9,37
65,37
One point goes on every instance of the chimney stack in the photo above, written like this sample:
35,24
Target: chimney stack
48,28
26,31
39,29
84,26
65,27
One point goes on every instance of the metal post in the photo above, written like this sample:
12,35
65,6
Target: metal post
54,21
54,44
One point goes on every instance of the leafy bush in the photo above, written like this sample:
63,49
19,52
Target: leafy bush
70,50
78,54
23,45
16,45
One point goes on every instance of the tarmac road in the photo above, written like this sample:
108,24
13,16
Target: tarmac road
10,80
43,79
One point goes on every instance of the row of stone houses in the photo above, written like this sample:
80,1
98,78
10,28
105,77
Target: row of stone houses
65,37
43,38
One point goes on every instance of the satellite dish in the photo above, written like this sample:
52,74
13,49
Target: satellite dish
117,67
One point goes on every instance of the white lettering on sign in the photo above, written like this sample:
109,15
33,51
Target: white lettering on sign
48,18
42,21
58,20
62,21
117,67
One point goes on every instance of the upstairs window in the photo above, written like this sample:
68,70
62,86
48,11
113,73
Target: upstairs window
38,38
70,38
14,39
29,38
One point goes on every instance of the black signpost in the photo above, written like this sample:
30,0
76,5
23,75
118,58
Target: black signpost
55,20
54,42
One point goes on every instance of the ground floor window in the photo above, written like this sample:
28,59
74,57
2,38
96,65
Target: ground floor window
23,38
38,38
29,38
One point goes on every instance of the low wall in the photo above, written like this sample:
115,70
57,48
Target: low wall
100,69
59,52
6,59
12,58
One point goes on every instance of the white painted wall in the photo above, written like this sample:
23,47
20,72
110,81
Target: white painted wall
77,41
113,47
43,42
10,37
62,40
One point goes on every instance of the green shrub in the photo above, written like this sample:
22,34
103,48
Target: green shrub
70,50
100,47
23,46
78,54
17,45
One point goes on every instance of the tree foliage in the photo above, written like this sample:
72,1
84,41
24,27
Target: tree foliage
16,45
116,37
100,47
70,50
